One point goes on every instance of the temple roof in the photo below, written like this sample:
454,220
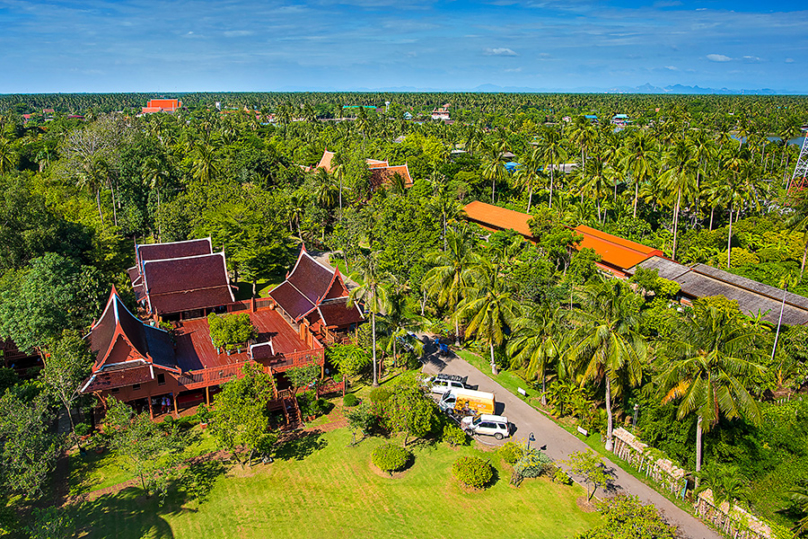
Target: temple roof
383,175
335,312
141,343
183,284
309,285
176,249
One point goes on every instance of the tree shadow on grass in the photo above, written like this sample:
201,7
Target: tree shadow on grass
122,515
301,446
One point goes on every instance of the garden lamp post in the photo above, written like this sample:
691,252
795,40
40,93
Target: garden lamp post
531,438
636,413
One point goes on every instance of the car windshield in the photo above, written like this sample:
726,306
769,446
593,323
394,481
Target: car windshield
476,421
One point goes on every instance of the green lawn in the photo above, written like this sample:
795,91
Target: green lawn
321,487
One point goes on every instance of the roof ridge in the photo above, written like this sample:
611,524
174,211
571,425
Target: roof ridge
182,258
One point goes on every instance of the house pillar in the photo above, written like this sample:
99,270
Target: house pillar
207,395
176,410
151,410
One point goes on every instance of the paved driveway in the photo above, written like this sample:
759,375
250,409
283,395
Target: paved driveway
559,444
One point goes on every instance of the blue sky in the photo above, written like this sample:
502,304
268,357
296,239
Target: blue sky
244,45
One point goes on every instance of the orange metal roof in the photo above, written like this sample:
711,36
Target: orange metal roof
614,251
496,218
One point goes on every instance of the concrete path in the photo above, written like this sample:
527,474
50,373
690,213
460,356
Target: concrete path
558,444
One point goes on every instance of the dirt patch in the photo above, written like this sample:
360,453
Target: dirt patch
395,475
585,505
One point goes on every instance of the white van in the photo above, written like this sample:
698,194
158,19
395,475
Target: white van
443,383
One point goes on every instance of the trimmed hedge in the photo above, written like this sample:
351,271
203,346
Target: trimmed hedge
390,457
350,400
473,471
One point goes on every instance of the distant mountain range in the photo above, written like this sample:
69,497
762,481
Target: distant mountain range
644,89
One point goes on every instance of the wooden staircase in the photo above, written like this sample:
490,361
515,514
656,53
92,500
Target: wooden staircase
291,412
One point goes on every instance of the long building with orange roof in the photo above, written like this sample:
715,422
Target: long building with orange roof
617,255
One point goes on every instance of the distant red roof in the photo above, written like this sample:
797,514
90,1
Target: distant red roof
495,218
384,175
162,105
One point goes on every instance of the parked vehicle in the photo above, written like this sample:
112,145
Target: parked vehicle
489,425
443,383
465,402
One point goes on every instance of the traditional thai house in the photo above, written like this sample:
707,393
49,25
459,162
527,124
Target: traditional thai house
141,363
316,297
180,280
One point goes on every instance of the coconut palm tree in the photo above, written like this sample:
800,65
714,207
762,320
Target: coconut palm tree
537,342
709,358
373,293
528,174
494,168
450,277
608,348
677,180
638,158
489,307
553,154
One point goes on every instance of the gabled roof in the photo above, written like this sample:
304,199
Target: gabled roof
495,218
382,175
175,249
336,313
325,161
309,285
752,296
614,251
118,330
183,284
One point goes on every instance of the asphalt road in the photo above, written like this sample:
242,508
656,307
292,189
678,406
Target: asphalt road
558,444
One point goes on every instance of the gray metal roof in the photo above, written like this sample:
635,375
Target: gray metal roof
752,296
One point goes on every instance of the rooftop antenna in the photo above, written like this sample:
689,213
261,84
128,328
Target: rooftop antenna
801,170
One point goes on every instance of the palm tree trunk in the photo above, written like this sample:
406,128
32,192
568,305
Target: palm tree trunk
98,203
457,332
676,222
712,212
493,363
373,332
114,211
529,197
779,322
551,186
543,387
804,256
610,420
729,238
636,195
493,188
698,445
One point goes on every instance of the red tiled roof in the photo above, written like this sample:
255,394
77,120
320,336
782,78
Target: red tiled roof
164,104
376,163
384,175
117,324
325,161
183,284
291,300
176,249
614,251
337,313
496,218
118,378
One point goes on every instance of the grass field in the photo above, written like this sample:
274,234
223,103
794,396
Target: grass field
319,487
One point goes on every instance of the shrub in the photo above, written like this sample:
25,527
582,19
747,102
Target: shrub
532,464
472,471
227,331
562,477
454,435
390,457
363,418
83,429
511,452
350,400
380,395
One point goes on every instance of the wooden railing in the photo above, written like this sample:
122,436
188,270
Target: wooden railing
298,359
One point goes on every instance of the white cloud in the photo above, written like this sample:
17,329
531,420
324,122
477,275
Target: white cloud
672,68
789,60
501,51
238,33
517,70
718,58
752,58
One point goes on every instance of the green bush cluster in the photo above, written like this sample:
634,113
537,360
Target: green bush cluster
532,463
350,400
379,395
454,435
226,331
511,452
562,477
473,471
390,457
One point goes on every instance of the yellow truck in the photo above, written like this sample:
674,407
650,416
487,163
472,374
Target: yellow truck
467,402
